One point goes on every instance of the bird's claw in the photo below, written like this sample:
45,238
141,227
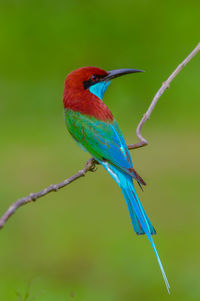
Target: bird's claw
91,165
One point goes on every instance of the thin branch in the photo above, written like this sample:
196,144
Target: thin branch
165,85
91,163
89,166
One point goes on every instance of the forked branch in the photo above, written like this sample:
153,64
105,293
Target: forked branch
91,163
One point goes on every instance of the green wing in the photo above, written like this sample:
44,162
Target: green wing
102,140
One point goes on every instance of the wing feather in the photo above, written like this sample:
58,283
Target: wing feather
103,140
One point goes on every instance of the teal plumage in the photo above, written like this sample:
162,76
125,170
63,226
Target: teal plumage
92,125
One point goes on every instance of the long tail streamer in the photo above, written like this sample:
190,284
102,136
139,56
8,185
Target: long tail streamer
139,218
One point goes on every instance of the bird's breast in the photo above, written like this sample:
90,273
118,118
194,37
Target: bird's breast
88,104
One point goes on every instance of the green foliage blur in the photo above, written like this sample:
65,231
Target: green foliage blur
78,243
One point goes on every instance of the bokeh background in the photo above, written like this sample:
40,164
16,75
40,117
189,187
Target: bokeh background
78,244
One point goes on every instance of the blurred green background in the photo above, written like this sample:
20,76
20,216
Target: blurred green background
78,244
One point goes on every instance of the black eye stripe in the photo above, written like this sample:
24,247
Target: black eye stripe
92,81
87,84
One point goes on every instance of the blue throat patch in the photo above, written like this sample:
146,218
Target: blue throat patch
99,89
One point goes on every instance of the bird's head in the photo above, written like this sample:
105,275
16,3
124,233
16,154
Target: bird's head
85,88
93,80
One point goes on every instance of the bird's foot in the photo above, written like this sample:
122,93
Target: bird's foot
92,165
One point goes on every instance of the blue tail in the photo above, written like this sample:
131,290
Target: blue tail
139,218
135,221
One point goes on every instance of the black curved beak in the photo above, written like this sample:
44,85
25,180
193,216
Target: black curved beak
119,72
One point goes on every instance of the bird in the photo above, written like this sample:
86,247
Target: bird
94,128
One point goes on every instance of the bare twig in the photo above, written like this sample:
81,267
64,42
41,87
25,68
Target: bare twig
89,166
165,85
91,163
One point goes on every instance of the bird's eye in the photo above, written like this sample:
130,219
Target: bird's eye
94,78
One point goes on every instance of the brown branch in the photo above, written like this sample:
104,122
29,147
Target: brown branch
165,85
91,163
89,166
